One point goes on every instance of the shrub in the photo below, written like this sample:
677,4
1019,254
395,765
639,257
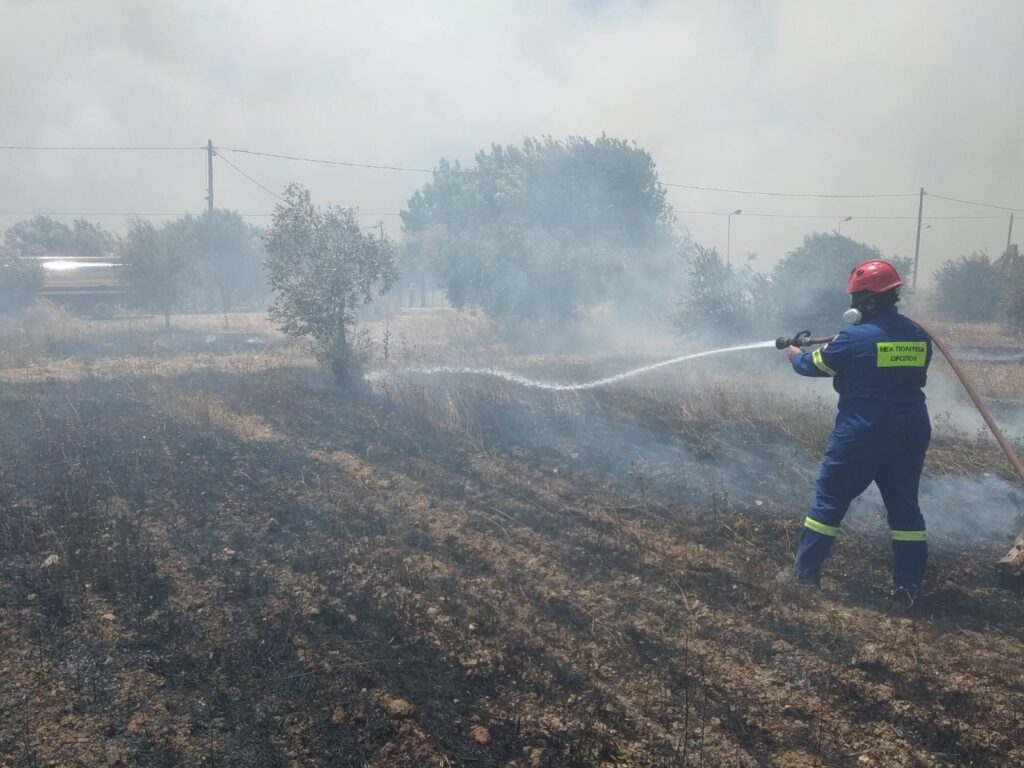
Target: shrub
324,268
810,282
19,281
969,288
720,302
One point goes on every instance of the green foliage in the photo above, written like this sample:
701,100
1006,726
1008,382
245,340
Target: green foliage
160,263
230,255
19,281
969,288
44,236
538,231
324,268
810,282
720,302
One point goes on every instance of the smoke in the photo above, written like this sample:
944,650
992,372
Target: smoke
795,96
689,438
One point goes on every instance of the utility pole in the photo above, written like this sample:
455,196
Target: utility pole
728,234
917,245
1009,234
209,175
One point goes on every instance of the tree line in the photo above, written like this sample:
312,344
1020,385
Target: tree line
208,262
534,234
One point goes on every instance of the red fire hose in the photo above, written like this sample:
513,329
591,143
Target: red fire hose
997,433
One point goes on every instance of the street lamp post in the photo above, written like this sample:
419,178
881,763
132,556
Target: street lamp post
728,234
839,229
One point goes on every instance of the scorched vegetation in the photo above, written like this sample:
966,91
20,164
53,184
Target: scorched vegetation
209,556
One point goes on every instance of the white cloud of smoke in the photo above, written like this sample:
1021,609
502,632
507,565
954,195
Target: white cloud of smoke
801,96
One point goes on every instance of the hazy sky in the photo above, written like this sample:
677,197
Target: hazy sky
815,96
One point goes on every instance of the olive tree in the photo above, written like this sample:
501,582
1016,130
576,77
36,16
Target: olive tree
541,231
160,264
323,268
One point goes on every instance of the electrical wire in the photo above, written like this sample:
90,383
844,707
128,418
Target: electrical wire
393,213
332,162
95,213
412,169
149,213
250,178
828,216
781,194
971,202
108,149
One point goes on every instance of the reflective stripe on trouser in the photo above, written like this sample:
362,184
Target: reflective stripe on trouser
891,455
909,557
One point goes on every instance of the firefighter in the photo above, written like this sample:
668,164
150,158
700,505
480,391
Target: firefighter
878,365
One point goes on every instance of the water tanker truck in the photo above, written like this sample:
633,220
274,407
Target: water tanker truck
83,285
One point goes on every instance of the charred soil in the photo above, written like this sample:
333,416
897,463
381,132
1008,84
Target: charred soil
238,567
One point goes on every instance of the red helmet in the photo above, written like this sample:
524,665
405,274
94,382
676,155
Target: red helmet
873,275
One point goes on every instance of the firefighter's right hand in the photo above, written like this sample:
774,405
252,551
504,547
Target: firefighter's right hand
792,352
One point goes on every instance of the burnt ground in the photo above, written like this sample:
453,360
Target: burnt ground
240,567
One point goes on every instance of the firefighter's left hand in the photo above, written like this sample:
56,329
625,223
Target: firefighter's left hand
792,351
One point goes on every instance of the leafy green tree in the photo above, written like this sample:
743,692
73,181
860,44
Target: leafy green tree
539,231
230,254
323,269
160,264
45,236
969,288
810,282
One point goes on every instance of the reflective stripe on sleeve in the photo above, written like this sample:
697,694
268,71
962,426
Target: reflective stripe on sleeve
820,364
910,535
824,530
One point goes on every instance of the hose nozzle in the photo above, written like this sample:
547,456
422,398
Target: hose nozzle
800,339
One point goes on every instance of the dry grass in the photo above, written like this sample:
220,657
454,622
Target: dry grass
258,571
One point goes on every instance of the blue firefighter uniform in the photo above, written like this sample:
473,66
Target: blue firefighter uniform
879,368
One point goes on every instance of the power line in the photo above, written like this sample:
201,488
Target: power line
971,202
412,169
333,162
250,178
464,171
827,216
95,213
145,213
107,149
779,194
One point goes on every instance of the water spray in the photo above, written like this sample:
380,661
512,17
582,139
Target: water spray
559,387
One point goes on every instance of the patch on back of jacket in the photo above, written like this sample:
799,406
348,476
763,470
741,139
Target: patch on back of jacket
902,354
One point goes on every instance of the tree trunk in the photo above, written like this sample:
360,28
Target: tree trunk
227,296
343,364
1013,562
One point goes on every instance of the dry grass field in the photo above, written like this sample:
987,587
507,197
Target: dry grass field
208,556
